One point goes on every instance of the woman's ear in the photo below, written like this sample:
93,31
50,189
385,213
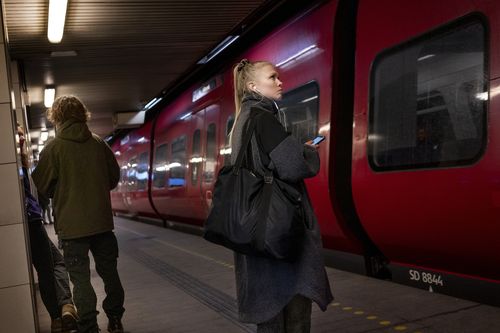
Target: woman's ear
252,86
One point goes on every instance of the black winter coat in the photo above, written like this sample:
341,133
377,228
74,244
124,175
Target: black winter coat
265,286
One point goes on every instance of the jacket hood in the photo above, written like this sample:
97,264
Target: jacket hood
74,130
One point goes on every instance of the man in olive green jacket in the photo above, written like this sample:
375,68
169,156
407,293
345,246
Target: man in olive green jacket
78,170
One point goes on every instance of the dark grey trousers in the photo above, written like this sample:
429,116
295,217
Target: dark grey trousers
49,264
104,249
294,318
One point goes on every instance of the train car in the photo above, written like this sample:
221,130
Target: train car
408,187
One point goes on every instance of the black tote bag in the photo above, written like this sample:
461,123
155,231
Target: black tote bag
254,215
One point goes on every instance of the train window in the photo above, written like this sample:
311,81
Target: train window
142,171
177,164
160,166
211,154
301,108
428,100
196,158
226,151
131,175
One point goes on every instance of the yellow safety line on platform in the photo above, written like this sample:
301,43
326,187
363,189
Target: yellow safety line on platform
225,264
398,328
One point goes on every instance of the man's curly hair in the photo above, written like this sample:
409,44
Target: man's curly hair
65,108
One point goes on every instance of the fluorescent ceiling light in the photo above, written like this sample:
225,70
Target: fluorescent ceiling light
218,49
40,147
152,103
44,135
57,17
50,94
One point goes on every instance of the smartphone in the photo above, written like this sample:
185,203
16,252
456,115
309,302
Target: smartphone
317,139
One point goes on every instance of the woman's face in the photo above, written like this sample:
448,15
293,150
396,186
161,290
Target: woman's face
267,83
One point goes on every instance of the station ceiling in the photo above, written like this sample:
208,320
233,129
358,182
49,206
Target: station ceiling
127,51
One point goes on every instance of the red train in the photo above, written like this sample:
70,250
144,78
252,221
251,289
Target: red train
407,96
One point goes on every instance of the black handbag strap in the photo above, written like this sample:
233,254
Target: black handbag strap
244,144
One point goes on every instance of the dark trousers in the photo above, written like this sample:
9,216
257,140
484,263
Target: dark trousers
294,318
49,264
104,249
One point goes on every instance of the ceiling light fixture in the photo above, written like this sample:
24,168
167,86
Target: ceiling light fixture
57,17
50,94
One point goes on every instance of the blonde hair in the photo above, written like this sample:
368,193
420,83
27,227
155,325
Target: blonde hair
67,107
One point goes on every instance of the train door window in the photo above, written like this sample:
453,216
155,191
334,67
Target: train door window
196,159
132,174
177,164
211,154
300,109
428,100
160,166
142,171
226,151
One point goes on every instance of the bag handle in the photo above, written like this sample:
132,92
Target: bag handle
246,139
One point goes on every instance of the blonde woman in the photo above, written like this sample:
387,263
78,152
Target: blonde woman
277,295
78,169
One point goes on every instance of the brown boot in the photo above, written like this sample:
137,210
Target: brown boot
69,317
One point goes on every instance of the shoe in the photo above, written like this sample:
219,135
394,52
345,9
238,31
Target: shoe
56,326
69,317
115,325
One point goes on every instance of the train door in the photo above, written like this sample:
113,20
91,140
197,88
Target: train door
196,209
211,153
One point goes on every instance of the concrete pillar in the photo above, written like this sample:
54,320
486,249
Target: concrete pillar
17,311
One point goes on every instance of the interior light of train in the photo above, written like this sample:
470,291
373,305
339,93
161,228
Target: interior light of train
49,95
134,165
142,139
173,165
297,56
426,57
161,168
225,151
196,160
117,153
218,49
482,96
309,99
57,17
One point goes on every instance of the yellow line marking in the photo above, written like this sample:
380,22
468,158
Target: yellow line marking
371,317
178,248
347,308
400,328
385,322
335,304
359,312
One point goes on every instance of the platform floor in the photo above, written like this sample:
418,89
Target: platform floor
177,282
